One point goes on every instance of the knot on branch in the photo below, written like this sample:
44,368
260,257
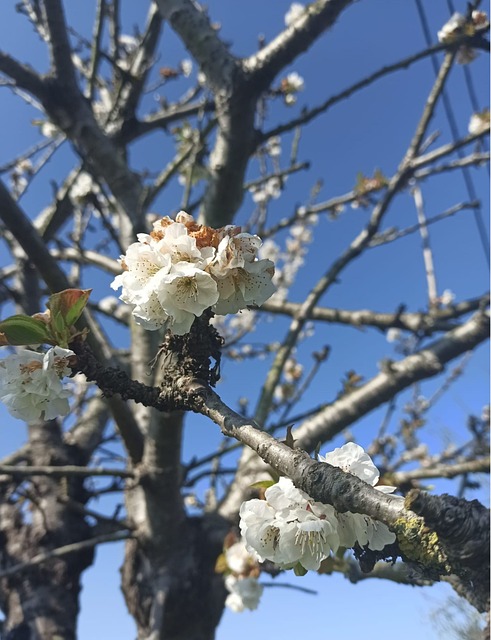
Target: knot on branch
186,363
462,526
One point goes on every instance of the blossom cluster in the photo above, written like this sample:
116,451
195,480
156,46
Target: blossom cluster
31,385
289,528
241,582
172,275
290,86
458,26
479,122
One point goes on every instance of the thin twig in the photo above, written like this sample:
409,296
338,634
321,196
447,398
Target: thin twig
63,471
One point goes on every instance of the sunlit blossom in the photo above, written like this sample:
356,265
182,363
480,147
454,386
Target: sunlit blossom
172,275
355,527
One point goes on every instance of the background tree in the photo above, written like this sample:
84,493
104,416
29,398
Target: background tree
168,115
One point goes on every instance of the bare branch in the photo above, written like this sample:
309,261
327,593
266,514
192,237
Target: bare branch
439,471
62,471
60,49
310,114
436,320
356,247
397,376
318,16
23,76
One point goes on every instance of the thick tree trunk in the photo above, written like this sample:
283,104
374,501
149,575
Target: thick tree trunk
184,599
42,602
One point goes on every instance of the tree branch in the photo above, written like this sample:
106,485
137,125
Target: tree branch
62,471
23,76
439,471
317,17
397,376
59,45
423,323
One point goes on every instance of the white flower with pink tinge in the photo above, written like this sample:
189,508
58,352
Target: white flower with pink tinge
30,384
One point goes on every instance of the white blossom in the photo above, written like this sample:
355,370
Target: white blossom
48,129
83,186
355,527
244,593
292,370
184,293
182,268
466,54
186,67
393,335
273,146
288,527
238,558
295,81
271,189
451,28
447,297
250,285
30,384
352,458
479,122
294,12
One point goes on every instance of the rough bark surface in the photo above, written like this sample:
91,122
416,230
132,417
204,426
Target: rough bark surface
182,599
42,603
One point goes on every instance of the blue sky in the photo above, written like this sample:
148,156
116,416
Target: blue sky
370,130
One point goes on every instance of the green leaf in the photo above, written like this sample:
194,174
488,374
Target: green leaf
298,570
221,565
69,304
23,330
60,329
78,304
263,484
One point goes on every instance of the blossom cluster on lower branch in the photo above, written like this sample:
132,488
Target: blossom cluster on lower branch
241,571
292,530
31,384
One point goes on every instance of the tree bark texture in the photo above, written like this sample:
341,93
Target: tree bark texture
42,602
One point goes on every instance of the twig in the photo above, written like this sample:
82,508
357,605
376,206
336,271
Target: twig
427,253
439,471
63,471
361,84
392,234
393,378
96,46
286,585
